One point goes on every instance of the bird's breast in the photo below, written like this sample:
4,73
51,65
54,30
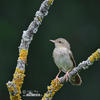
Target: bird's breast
62,59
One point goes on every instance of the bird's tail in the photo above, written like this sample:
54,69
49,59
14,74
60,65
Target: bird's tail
75,80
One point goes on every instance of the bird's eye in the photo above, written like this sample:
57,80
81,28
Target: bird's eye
60,42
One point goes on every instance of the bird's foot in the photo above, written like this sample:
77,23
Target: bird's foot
56,80
66,75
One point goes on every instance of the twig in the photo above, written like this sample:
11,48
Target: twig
14,86
55,86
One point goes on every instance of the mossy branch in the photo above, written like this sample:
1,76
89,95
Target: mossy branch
55,86
14,86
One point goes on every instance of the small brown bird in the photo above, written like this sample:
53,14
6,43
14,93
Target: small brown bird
64,60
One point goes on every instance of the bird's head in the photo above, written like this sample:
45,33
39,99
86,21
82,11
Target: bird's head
61,42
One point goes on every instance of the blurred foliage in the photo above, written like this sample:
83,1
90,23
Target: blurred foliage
77,21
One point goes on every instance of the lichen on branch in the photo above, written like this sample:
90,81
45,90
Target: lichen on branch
55,86
14,86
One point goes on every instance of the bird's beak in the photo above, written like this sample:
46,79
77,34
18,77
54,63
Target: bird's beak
53,41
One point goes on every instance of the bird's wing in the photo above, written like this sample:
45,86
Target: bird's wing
72,58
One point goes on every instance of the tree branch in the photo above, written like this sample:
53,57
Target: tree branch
14,86
55,86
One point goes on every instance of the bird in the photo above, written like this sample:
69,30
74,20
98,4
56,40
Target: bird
64,60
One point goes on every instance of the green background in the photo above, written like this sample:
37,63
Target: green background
76,20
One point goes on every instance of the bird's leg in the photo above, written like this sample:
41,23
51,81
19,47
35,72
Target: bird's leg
67,75
58,74
56,79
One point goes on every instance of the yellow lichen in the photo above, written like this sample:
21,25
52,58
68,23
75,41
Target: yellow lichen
23,55
94,56
50,2
49,88
18,97
10,89
39,18
52,89
18,78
